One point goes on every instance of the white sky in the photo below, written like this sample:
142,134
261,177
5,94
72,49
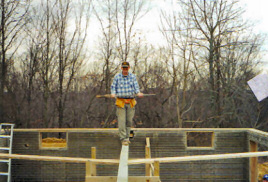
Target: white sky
256,10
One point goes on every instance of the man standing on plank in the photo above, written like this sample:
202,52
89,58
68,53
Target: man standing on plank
124,88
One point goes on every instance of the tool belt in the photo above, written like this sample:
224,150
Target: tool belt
127,101
121,102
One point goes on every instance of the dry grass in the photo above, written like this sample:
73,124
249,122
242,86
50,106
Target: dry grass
54,142
263,169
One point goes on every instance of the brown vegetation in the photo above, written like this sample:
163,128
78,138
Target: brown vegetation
54,142
262,169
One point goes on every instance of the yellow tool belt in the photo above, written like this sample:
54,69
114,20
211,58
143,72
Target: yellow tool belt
121,102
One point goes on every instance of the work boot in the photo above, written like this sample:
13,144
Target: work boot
125,141
128,141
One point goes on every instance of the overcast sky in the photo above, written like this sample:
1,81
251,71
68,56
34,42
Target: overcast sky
256,10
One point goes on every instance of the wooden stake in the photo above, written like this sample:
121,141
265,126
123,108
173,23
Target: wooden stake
148,171
93,156
88,168
253,162
147,141
156,168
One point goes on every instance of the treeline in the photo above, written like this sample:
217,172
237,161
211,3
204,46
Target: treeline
50,75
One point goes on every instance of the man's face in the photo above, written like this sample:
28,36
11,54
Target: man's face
125,70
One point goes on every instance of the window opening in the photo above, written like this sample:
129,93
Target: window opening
199,139
57,140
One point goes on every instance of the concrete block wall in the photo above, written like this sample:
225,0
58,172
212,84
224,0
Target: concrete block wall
173,143
164,143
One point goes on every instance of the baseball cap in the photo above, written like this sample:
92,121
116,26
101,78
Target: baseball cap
125,64
265,177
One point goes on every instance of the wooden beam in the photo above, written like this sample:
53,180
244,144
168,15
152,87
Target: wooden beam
123,165
199,157
59,159
88,168
130,179
93,165
148,171
116,130
156,168
253,162
136,161
258,136
93,152
148,166
147,141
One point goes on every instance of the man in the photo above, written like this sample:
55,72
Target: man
124,88
265,178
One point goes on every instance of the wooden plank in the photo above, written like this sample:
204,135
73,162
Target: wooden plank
59,159
156,168
88,168
93,166
130,179
136,161
258,136
253,162
148,171
199,157
134,129
147,141
148,166
259,132
93,152
123,165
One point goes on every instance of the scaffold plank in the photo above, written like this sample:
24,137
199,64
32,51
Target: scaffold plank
123,165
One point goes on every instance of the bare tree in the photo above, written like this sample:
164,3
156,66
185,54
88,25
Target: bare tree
48,54
31,68
239,60
70,48
212,22
105,13
41,35
127,13
179,60
12,21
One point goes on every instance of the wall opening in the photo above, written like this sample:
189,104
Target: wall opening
131,134
197,139
53,140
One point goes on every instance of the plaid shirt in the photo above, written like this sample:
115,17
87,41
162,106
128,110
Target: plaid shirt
125,86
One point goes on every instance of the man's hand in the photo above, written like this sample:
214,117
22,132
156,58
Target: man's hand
140,95
113,95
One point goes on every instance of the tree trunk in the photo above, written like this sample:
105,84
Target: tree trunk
3,65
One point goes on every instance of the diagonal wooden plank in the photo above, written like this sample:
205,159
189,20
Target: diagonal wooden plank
123,165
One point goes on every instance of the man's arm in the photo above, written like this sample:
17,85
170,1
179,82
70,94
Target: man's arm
137,88
113,87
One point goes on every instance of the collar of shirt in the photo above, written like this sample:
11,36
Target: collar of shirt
123,76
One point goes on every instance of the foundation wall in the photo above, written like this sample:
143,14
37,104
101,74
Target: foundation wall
163,142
